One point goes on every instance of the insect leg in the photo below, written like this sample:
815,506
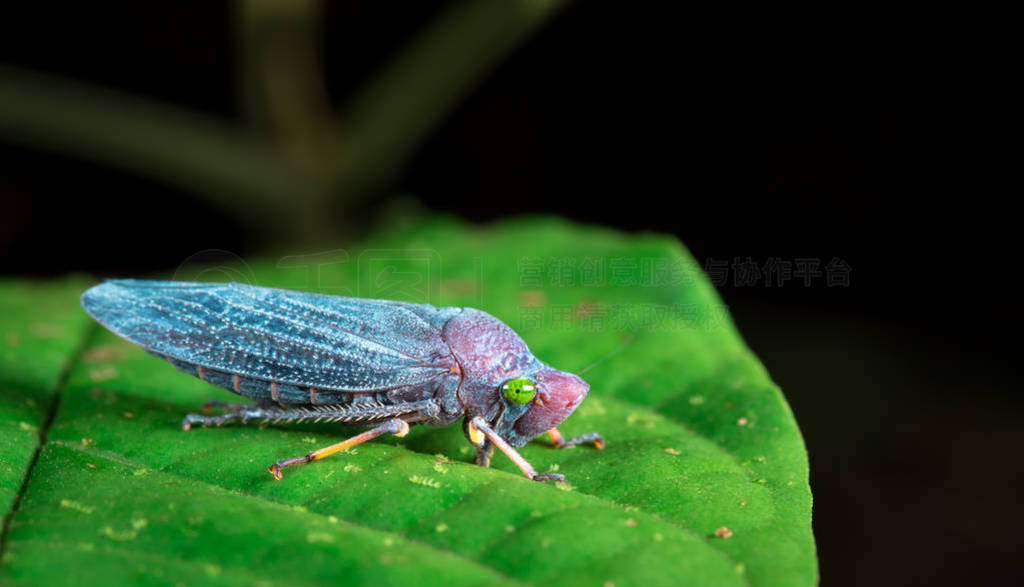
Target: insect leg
411,411
191,419
484,447
478,424
561,442
214,403
394,426
243,412
484,453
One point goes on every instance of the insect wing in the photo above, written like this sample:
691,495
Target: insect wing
302,339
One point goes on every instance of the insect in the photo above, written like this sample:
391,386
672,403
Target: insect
378,363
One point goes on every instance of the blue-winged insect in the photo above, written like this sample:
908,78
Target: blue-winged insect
378,363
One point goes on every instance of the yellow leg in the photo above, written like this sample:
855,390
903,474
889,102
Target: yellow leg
394,426
478,425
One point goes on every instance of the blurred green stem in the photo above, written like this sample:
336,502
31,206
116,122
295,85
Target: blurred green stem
198,153
387,121
281,88
297,185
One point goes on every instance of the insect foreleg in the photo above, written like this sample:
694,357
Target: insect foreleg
560,442
478,425
484,447
484,453
394,426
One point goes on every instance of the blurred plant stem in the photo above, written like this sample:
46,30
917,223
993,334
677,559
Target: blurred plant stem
198,153
280,87
395,113
298,170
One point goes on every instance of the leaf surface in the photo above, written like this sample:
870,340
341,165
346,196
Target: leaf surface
699,440
41,329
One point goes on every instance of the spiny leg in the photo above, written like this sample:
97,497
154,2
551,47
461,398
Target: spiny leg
190,419
561,442
478,426
226,406
243,412
413,411
394,426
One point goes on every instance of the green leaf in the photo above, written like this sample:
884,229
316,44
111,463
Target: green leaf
41,328
699,440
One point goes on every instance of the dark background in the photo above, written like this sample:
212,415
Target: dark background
874,140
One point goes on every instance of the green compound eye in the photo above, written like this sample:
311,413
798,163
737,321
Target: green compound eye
519,391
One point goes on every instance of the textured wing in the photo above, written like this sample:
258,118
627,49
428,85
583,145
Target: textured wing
327,342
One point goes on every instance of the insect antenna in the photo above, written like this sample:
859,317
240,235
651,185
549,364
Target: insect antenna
615,351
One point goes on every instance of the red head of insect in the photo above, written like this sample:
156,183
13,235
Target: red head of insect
504,383
557,394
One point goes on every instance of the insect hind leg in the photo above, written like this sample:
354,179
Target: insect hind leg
243,412
359,414
227,406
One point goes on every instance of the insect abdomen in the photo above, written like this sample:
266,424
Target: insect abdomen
262,391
